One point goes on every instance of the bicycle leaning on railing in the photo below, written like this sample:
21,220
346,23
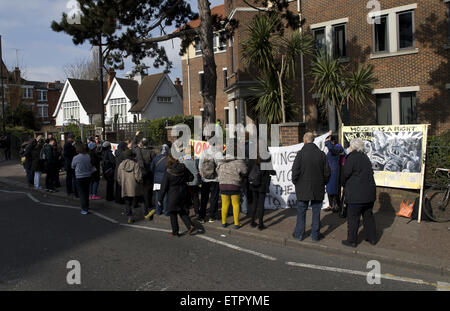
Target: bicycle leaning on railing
438,196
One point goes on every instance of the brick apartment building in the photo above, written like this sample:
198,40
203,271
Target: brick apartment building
41,97
407,42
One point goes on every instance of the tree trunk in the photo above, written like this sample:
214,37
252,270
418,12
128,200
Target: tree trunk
339,115
280,81
209,64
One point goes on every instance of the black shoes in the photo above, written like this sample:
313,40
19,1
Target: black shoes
349,244
371,242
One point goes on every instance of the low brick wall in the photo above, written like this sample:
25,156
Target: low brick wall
291,133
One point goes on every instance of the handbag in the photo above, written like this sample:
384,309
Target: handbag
406,209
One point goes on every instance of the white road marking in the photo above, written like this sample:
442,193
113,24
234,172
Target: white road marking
146,228
236,247
104,217
438,285
59,205
32,198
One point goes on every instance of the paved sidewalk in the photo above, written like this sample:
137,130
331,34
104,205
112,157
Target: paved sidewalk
423,245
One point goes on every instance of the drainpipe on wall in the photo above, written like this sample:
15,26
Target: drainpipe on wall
299,8
189,81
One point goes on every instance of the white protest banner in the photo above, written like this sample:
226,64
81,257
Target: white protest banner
282,190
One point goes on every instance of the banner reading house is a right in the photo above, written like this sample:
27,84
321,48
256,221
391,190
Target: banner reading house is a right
397,152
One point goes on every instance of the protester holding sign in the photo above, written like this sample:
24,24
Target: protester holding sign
333,156
360,193
310,174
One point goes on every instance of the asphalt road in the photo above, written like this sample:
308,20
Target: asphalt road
37,241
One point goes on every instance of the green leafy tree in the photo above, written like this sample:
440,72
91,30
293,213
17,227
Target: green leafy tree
340,85
274,55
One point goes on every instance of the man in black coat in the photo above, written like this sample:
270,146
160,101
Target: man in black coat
310,174
69,152
144,157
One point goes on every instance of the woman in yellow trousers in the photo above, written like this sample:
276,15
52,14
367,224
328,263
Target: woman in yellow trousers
230,172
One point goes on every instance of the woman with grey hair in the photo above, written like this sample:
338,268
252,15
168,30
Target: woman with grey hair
360,193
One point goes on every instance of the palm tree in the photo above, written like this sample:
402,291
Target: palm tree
274,57
337,84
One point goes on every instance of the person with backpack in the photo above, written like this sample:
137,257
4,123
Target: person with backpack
360,193
174,187
259,177
193,186
144,157
51,165
210,183
230,171
129,176
83,168
158,169
95,177
37,163
108,169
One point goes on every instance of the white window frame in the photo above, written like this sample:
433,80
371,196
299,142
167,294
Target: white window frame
395,99
40,95
40,114
71,110
329,33
398,31
393,31
121,106
163,99
387,35
27,92
216,43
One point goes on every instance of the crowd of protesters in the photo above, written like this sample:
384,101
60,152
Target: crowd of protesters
134,175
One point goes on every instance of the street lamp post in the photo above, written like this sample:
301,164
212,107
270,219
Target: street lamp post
3,88
100,64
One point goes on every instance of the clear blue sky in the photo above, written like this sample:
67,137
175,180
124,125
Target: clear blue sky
42,53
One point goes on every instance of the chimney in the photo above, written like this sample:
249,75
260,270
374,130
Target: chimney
16,75
138,77
110,77
177,82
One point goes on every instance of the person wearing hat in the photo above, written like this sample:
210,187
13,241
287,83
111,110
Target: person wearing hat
129,176
108,168
95,177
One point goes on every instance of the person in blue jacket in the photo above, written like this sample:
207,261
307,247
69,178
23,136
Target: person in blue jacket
333,187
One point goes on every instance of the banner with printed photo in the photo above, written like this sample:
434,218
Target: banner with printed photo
396,152
282,190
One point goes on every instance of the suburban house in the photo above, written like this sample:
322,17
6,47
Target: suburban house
80,102
121,97
158,97
407,42
41,97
